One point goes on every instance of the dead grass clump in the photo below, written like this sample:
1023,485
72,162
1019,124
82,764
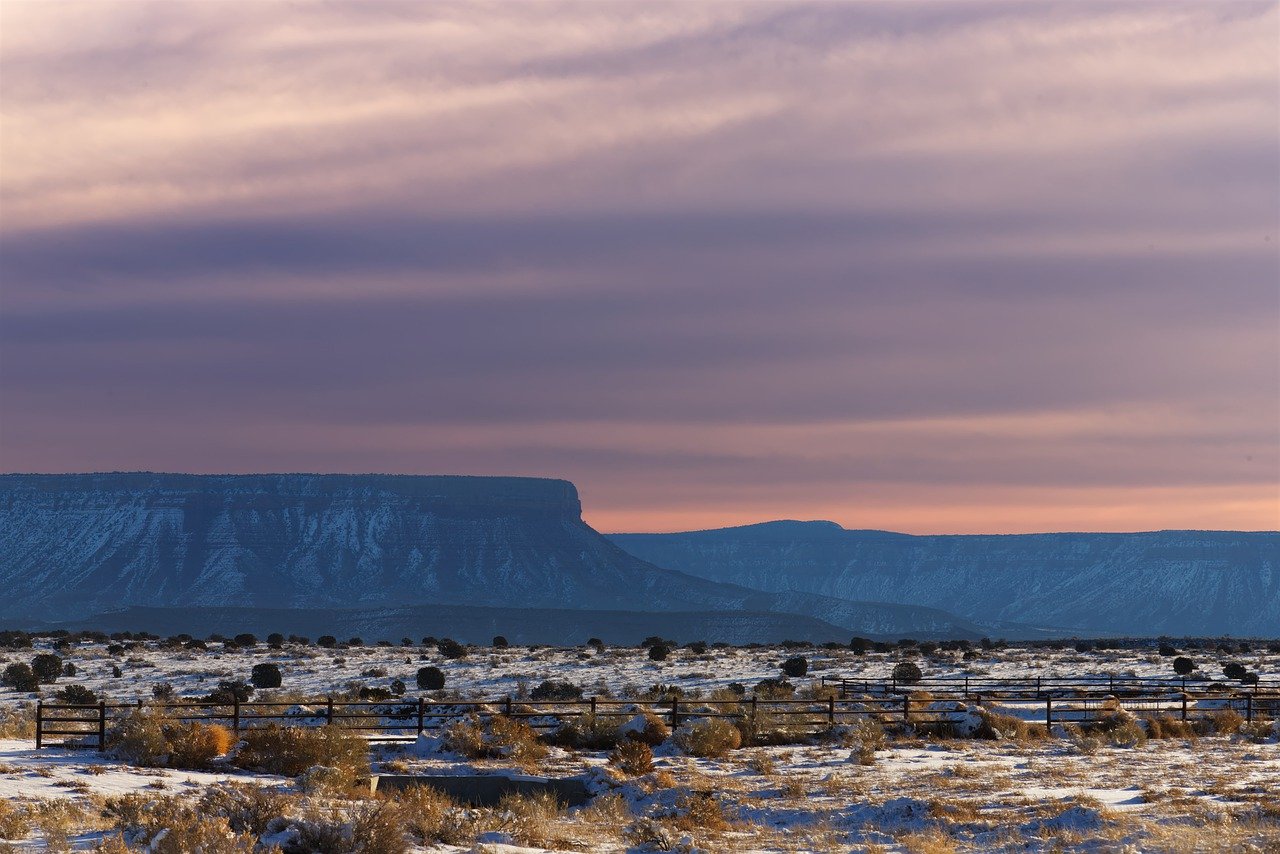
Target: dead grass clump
1119,728
1167,726
430,817
168,825
369,827
709,737
762,763
932,841
247,808
292,750
698,812
633,757
18,721
1226,722
531,819
998,726
498,736
15,823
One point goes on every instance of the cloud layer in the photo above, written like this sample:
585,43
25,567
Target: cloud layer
931,267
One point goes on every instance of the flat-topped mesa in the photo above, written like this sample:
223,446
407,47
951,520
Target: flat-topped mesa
452,494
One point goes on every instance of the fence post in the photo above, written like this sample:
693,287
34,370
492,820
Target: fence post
1111,681
328,711
675,712
831,711
102,725
39,722
507,712
966,687
906,707
1248,708
1184,703
235,714
753,712
1037,686
422,707
1048,713
593,705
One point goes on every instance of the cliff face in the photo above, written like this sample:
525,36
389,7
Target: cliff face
74,545
1164,582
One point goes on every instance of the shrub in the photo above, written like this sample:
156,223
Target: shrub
774,689
327,641
450,648
796,666
171,826
139,737
659,652
69,670
47,667
499,735
430,678
246,807
265,675
246,640
708,737
275,640
15,823
499,642
19,677
76,695
1183,666
647,728
292,750
196,745
1167,650
589,732
397,688
1167,726
632,757
230,691
596,644
1232,670
907,673
549,689
163,692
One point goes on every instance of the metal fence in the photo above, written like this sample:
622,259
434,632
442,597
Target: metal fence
1040,686
87,725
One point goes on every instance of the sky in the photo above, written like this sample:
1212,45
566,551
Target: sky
928,267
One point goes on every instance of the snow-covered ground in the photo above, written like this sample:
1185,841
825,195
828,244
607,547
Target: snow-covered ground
1218,792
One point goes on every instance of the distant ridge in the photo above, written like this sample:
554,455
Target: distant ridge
73,546
1148,583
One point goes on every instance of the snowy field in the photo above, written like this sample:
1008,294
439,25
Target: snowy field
911,792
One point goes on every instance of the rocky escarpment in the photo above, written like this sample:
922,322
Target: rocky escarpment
1162,582
72,546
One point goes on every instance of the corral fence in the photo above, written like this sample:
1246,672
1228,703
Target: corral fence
87,725
1039,687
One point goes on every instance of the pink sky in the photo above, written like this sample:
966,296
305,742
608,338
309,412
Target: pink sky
955,267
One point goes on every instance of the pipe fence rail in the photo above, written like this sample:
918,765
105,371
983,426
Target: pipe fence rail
1039,686
87,725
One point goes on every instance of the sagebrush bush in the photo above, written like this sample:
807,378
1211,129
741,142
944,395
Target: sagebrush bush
15,822
1167,726
496,736
169,825
708,737
246,807
145,736
652,730
430,817
196,745
632,757
292,750
589,732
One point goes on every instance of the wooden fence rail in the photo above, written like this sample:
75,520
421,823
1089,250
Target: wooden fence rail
1039,686
399,720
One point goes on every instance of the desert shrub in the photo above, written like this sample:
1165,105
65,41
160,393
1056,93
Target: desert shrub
18,721
864,736
430,816
15,822
292,750
1167,726
550,689
1231,670
324,779
265,675
1119,728
20,677
774,689
1167,650
47,667
450,648
327,641
907,672
374,693
1222,722
698,812
69,670
500,642
162,692
397,688
139,737
708,737
796,666
531,819
647,728
633,757
430,678
1183,666
246,640
230,691
75,695
369,827
497,736
171,826
246,807
998,726
659,652
589,732
196,745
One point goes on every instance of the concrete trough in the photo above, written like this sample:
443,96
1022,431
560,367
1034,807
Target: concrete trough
486,790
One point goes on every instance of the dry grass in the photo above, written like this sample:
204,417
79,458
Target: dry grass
632,757
709,737
292,750
497,736
15,822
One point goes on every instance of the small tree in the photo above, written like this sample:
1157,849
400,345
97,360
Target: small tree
397,687
450,648
47,667
796,666
1234,670
907,672
76,695
860,646
20,677
659,652
430,678
327,641
596,644
1168,650
246,640
275,640
230,691
500,642
69,669
265,675
1183,665
550,689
